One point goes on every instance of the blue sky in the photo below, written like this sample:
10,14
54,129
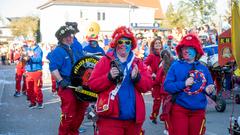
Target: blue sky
15,8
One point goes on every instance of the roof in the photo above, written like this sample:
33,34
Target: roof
149,28
144,3
149,3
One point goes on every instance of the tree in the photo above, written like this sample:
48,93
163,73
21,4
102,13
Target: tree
199,11
26,26
175,18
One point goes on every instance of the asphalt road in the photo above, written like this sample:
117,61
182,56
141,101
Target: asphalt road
17,119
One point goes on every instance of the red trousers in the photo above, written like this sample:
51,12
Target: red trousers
156,106
54,85
109,126
187,122
73,112
18,77
34,87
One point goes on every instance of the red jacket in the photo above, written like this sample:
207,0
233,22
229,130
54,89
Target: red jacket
20,67
100,83
158,83
153,61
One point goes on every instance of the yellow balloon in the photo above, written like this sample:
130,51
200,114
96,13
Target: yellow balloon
93,29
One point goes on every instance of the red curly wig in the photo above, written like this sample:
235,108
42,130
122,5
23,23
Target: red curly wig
121,32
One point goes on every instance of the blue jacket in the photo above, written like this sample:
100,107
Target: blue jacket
35,61
126,93
89,50
77,49
60,60
175,82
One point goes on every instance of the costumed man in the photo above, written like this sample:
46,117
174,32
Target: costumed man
77,49
170,45
62,59
20,71
153,60
53,80
120,78
93,47
190,81
34,74
167,61
76,46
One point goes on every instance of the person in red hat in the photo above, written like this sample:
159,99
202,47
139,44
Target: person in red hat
153,60
170,45
120,78
190,81
93,47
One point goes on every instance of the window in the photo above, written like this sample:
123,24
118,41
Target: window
98,16
81,14
101,16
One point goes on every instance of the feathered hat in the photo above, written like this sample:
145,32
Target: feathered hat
63,32
73,25
121,32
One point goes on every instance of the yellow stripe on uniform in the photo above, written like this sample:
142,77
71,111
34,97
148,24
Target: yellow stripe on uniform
202,126
86,92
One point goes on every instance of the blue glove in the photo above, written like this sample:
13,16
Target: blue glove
64,83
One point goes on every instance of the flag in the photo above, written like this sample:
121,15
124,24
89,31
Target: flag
236,32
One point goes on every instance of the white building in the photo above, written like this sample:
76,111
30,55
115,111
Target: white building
109,14
5,31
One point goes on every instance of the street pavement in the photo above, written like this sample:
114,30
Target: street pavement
17,119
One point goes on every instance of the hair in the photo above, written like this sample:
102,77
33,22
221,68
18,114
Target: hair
152,51
167,60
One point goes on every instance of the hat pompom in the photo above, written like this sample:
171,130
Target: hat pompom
190,40
121,32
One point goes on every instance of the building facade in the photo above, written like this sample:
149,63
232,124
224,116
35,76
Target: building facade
108,14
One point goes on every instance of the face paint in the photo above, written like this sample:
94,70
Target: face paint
189,53
93,43
124,46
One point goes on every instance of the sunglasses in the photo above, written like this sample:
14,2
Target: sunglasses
127,42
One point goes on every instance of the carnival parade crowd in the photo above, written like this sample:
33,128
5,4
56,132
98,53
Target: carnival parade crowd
169,64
